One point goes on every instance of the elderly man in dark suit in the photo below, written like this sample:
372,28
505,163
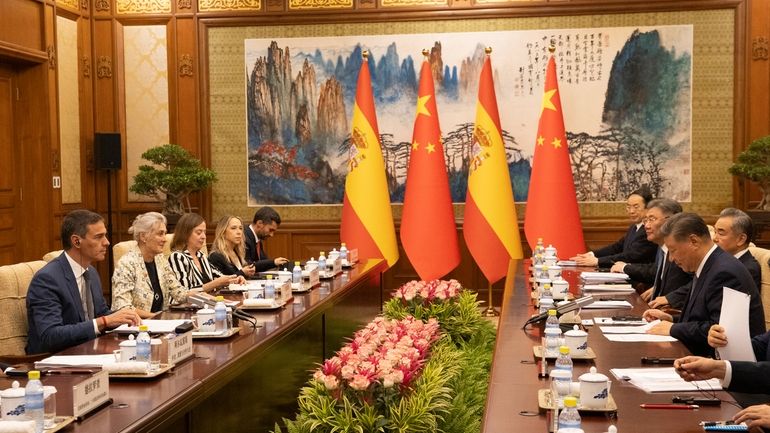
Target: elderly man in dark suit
690,246
263,226
65,304
733,232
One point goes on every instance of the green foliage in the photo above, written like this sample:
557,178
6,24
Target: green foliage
754,164
179,174
458,317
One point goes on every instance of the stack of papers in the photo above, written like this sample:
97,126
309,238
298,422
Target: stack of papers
76,360
154,326
629,329
663,379
611,321
622,288
639,338
568,263
598,305
603,277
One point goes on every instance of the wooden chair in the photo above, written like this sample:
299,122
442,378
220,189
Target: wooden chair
14,283
121,248
52,255
763,257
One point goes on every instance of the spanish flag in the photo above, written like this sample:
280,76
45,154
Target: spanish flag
428,229
491,228
552,209
367,220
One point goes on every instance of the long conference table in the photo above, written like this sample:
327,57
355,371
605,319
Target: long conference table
512,397
245,383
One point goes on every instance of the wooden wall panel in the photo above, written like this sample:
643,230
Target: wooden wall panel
22,24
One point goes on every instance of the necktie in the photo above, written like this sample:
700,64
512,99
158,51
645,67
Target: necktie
259,250
660,260
88,301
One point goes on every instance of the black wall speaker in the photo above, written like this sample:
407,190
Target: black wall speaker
107,151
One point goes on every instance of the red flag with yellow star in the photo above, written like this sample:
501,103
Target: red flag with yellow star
491,228
428,230
552,210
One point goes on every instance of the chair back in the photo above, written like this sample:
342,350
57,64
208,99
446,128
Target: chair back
52,255
14,282
763,257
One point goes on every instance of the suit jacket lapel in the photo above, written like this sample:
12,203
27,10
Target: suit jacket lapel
72,287
698,283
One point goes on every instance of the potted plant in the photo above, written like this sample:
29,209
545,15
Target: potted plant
175,174
754,164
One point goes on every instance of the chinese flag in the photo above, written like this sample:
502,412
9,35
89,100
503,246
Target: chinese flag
552,209
491,228
367,220
428,230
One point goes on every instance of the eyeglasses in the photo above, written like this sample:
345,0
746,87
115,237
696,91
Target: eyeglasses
652,219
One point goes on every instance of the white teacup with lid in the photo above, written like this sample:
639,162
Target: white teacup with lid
594,390
12,402
311,264
127,351
559,289
204,320
550,251
577,341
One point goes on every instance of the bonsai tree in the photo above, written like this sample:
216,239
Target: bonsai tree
174,175
754,164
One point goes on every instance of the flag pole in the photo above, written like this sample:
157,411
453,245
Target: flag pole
490,311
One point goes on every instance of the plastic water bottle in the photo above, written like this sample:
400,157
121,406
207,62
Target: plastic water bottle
343,252
296,273
552,321
547,293
539,248
220,314
269,288
564,361
33,400
569,417
545,305
143,342
321,262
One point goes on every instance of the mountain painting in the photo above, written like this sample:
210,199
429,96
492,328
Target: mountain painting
626,94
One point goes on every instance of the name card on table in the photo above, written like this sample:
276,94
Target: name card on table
353,256
314,277
180,347
90,393
337,266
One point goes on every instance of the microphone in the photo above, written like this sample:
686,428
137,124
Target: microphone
561,309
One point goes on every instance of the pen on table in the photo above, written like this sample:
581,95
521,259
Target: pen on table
669,406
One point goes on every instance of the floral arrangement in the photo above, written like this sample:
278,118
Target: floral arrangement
384,355
455,308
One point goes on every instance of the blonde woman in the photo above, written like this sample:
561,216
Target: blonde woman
190,265
143,279
228,250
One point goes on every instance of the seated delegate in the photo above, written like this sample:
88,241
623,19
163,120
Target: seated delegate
228,249
65,305
190,265
143,279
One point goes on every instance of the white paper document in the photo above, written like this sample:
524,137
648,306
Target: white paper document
154,326
598,305
622,288
641,329
663,379
735,319
611,321
639,338
603,276
76,360
567,263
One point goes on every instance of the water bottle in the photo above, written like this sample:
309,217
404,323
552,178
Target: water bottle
547,293
143,345
539,248
545,305
220,314
552,321
296,273
33,400
564,361
269,288
322,263
343,252
569,417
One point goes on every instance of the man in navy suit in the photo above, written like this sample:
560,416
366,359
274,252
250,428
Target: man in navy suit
733,232
689,243
263,226
65,304
631,248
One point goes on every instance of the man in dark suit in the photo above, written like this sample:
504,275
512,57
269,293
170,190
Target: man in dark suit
263,226
733,232
65,304
664,275
631,248
689,243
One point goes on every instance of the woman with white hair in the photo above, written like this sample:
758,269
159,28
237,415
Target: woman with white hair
144,279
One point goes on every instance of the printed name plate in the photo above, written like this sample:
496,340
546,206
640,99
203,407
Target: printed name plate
180,348
315,277
353,256
337,266
90,393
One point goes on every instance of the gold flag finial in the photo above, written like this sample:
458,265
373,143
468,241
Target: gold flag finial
552,46
488,50
365,54
425,52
